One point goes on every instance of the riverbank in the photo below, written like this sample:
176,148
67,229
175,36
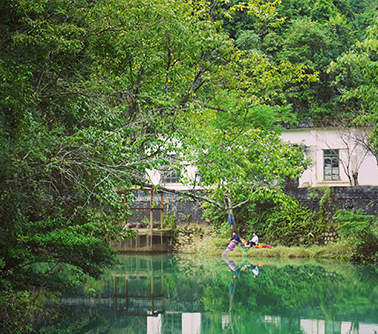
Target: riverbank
206,243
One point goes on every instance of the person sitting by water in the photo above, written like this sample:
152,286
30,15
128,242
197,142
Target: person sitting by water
254,241
235,239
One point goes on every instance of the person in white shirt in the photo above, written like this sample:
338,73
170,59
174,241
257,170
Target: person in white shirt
254,241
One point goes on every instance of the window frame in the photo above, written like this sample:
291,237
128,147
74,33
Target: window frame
169,175
333,165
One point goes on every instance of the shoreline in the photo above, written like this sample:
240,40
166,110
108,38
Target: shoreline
214,246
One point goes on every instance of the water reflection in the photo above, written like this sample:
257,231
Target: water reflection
246,266
166,294
130,302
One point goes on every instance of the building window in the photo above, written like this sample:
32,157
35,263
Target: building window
168,174
331,165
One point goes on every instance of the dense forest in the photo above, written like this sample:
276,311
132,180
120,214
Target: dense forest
314,34
96,93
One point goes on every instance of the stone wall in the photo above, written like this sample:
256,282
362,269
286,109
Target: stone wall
187,235
184,210
363,197
156,241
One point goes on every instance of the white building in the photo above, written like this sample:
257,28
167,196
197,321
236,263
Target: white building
170,179
338,155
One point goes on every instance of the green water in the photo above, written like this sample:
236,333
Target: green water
168,294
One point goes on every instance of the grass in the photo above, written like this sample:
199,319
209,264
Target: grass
214,246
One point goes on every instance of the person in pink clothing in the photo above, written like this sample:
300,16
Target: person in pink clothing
235,239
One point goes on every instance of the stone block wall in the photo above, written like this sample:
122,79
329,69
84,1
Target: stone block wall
188,211
185,210
362,197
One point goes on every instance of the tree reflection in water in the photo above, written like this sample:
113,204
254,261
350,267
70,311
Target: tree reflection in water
169,294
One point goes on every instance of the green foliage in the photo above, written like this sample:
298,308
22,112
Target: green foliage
326,200
316,34
361,231
16,310
287,223
90,93
311,33
221,229
243,161
92,96
307,42
314,45
238,162
361,61
279,220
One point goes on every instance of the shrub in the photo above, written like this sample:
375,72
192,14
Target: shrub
361,230
286,222
277,219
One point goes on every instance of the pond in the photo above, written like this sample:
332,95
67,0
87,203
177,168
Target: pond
196,295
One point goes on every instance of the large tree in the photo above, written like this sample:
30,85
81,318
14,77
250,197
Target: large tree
90,92
362,61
